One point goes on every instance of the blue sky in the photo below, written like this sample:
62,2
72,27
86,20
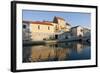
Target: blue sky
73,18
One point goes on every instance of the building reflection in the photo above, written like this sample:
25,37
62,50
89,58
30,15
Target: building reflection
79,46
45,53
51,52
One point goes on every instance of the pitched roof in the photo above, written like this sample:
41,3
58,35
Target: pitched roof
38,22
75,27
68,24
59,18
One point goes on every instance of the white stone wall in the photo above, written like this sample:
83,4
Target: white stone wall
41,36
26,36
77,31
74,32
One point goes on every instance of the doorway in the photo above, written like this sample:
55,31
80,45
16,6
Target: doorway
56,36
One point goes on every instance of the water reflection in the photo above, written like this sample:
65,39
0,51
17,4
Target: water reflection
57,52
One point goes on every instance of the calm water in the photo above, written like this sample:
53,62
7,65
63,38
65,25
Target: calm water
57,52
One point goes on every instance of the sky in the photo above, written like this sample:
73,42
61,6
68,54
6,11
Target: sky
73,18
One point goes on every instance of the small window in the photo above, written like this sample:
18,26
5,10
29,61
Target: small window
38,26
66,37
81,30
24,26
48,28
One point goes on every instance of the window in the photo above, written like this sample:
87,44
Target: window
56,36
66,37
24,26
38,26
48,28
81,30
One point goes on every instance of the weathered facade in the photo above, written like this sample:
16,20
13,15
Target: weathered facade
26,34
87,32
77,31
41,30
58,29
61,24
45,30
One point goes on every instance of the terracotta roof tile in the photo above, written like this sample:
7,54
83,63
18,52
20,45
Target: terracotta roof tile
38,22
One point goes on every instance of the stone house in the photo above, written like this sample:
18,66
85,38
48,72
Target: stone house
77,31
45,30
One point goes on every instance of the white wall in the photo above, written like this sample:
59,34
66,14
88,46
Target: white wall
5,37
